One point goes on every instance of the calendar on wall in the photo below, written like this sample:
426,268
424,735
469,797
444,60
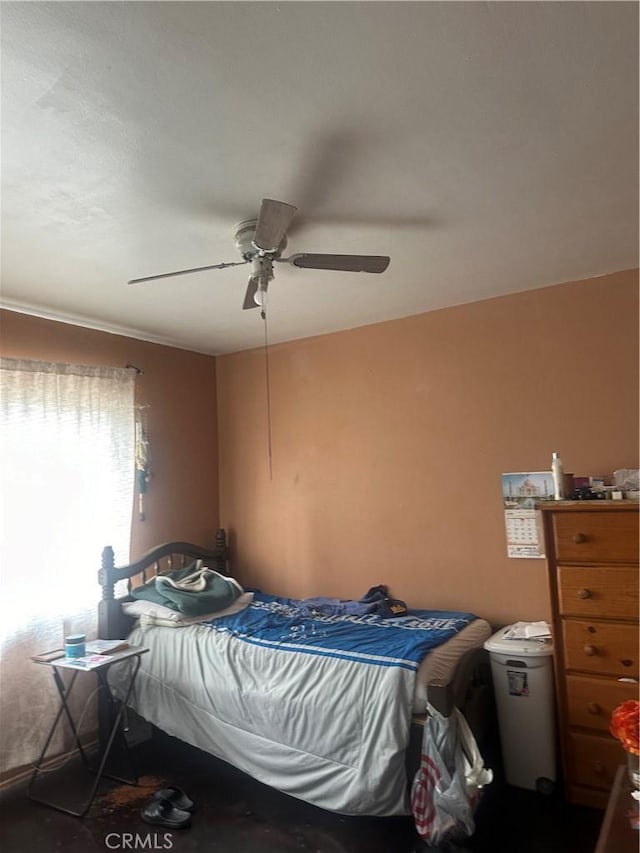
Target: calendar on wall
523,523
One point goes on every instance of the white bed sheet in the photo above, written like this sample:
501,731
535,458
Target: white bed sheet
331,733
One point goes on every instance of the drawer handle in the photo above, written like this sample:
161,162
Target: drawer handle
598,767
579,538
590,650
584,593
593,708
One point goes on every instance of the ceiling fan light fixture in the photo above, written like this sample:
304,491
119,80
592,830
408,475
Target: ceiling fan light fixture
260,296
260,278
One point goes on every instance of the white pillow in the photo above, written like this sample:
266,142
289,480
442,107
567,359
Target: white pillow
140,608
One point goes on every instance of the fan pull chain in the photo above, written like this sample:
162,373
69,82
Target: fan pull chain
263,314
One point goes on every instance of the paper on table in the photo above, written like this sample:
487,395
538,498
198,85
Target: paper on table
106,647
85,662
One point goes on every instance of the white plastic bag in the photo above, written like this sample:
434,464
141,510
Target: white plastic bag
447,787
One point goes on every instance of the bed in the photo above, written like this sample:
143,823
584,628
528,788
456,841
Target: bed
317,706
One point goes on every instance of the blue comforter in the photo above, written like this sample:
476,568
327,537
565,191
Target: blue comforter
271,621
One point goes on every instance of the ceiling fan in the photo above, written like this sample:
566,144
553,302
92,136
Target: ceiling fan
261,241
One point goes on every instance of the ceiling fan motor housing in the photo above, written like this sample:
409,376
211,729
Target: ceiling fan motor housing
262,269
243,237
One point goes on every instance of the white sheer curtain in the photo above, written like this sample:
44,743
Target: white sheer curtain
67,478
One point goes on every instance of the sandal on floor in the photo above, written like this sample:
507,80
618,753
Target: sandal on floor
177,797
164,813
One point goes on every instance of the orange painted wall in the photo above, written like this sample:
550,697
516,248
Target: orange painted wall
389,442
179,388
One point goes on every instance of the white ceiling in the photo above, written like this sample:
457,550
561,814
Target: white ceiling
487,148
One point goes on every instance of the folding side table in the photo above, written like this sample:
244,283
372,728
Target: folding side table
101,669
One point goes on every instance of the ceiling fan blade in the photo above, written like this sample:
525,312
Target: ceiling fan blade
346,263
273,220
249,301
187,272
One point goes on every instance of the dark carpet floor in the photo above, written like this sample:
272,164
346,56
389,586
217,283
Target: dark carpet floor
238,815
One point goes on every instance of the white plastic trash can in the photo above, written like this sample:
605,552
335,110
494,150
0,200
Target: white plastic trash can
522,672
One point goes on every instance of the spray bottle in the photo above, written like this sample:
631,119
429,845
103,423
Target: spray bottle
557,472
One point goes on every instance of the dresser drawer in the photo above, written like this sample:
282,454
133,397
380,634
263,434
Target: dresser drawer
594,760
596,537
610,591
601,647
590,701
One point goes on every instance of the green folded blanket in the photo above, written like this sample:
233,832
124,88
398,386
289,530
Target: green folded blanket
194,590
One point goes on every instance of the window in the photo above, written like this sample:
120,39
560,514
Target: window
67,469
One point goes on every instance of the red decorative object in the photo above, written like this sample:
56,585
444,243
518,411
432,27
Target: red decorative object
625,725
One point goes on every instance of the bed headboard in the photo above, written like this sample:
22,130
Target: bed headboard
113,624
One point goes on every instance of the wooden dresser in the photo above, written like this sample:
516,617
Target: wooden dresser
592,556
